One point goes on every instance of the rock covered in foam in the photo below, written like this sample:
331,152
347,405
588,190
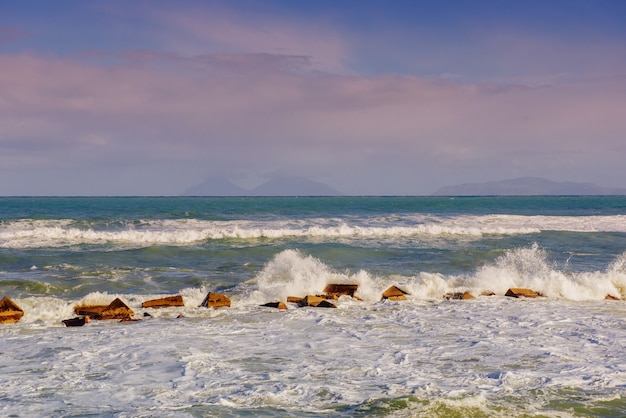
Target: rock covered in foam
458,296
334,291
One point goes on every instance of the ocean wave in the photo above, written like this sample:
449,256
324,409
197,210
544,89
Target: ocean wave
62,233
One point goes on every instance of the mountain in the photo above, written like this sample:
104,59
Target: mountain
527,186
280,186
215,186
294,186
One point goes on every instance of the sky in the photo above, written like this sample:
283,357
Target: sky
388,97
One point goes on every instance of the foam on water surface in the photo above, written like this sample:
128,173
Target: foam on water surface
60,233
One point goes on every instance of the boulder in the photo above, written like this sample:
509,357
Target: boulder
325,304
277,305
316,301
115,310
336,290
394,293
611,297
487,293
9,311
294,299
312,300
516,292
76,322
215,300
458,296
164,302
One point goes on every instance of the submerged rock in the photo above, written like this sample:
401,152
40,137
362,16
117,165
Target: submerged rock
76,322
458,296
336,290
277,305
9,311
611,297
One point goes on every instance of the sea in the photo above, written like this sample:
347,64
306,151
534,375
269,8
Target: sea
562,354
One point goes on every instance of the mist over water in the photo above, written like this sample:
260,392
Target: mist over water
558,355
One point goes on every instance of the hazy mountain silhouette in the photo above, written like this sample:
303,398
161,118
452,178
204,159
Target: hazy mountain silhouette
279,186
294,186
527,186
215,186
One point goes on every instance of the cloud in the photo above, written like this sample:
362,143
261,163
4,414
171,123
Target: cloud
233,95
195,32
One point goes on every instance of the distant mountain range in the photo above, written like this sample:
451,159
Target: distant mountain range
527,186
280,186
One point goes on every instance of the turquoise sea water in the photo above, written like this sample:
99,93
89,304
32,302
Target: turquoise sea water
558,355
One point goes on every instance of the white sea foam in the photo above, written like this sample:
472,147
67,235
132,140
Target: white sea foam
492,356
58,233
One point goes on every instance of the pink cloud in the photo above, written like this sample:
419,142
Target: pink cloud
247,109
197,32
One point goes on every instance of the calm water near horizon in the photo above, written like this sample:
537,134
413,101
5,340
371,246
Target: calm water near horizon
560,355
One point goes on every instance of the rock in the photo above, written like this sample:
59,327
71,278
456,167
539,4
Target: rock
316,301
611,297
325,304
115,310
215,300
9,311
294,299
487,293
394,293
311,300
458,296
516,292
164,302
76,322
180,316
277,305
336,290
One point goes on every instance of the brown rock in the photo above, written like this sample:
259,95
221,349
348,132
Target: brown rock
294,299
516,292
337,290
394,293
9,311
277,305
312,300
215,300
325,304
164,302
487,293
611,297
115,310
76,322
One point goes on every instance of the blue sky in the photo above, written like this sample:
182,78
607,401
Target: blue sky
370,97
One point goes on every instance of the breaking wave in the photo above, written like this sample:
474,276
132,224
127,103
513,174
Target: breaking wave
63,233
